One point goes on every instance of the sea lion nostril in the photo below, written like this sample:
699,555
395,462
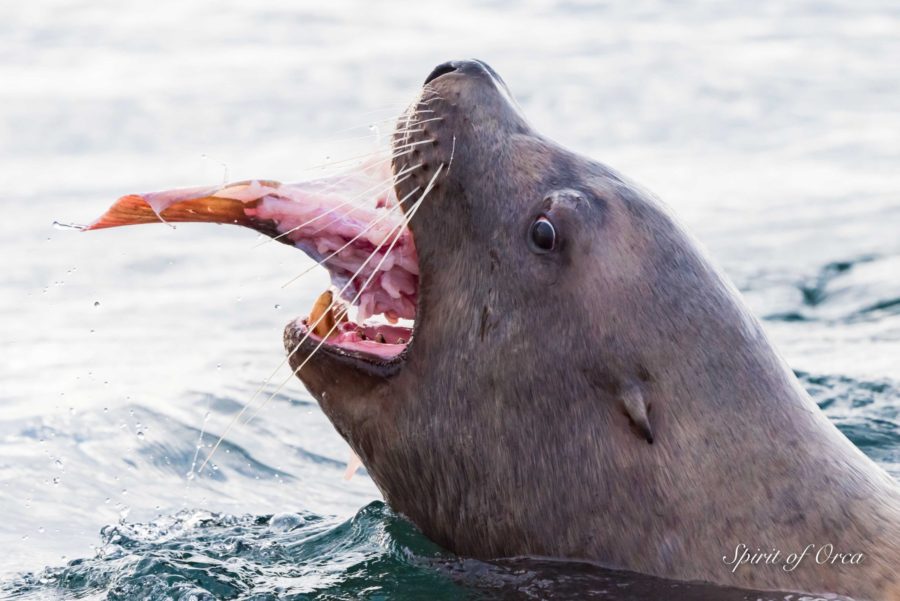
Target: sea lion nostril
442,69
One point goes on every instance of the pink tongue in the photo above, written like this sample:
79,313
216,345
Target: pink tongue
353,214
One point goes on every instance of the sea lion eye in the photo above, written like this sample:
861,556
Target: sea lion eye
543,235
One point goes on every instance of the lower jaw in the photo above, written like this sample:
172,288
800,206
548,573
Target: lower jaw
330,328
380,341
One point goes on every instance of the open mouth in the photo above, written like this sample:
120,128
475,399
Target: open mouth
352,224
370,255
328,323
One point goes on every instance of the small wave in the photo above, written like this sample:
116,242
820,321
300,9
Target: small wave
202,556
867,412
860,289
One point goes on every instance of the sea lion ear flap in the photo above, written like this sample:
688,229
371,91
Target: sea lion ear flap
637,408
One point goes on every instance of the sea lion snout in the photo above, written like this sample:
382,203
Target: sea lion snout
450,138
472,67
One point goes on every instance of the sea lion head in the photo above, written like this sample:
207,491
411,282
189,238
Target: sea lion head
554,302
541,271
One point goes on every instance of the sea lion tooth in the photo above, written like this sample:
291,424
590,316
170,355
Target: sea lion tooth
321,317
636,408
379,338
401,341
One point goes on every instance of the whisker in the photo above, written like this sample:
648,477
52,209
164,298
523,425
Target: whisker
381,187
341,162
402,225
324,141
352,240
452,152
359,157
421,121
287,358
397,231
367,124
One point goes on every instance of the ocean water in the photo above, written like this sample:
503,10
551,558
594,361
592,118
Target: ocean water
771,128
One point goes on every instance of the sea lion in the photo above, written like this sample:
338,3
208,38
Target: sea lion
581,382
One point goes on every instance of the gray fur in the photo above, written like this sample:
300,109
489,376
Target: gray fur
517,422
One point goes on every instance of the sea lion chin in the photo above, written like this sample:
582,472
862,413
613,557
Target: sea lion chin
582,382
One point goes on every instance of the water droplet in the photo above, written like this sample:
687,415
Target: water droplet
277,307
66,226
55,480
106,500
41,529
140,435
96,303
58,463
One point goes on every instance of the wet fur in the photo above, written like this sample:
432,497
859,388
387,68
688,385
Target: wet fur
504,431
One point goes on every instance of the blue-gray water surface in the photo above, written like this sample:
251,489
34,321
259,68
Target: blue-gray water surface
771,128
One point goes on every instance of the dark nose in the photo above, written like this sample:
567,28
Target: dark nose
469,67
442,69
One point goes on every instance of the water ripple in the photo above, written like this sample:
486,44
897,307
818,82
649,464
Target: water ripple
202,556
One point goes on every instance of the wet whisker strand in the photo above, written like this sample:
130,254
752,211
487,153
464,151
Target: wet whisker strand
354,239
359,157
287,358
341,162
383,186
310,328
400,229
366,124
452,152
